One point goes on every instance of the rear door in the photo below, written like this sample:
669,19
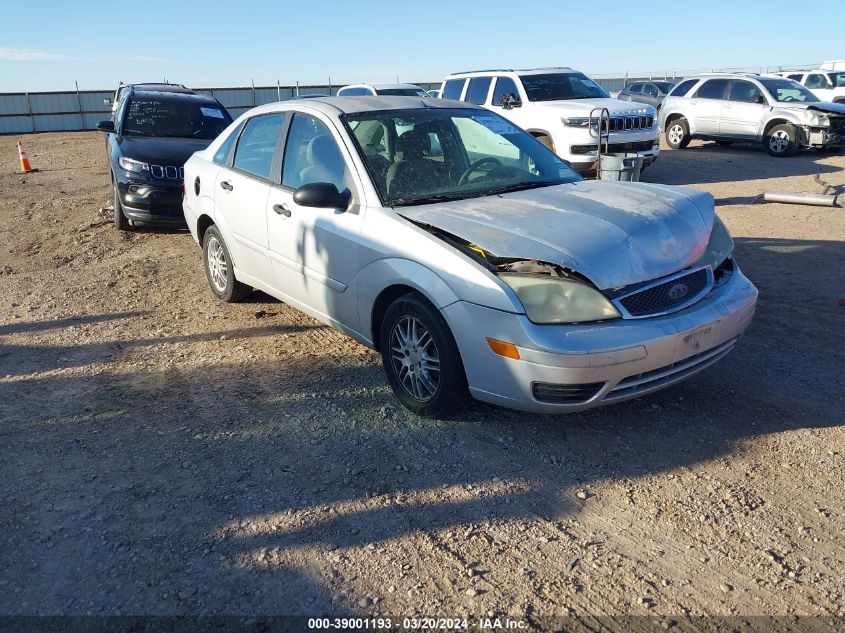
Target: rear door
743,110
241,190
706,106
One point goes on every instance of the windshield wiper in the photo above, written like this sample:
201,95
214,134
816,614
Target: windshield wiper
522,186
443,197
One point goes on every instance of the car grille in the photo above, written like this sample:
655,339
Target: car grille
627,123
613,148
667,295
664,376
167,172
565,394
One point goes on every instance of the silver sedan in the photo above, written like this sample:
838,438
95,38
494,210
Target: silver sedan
475,260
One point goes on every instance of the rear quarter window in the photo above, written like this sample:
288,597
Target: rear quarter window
453,89
683,88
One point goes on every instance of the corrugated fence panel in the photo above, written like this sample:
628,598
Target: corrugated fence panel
57,122
54,103
93,101
15,125
13,104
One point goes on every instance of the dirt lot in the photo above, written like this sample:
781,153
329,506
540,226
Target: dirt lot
163,453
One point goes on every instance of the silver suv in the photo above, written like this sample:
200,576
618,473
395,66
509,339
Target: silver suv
733,107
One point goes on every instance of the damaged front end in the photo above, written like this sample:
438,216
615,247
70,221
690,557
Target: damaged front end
825,126
552,293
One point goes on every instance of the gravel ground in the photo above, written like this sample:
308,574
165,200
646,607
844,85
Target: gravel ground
163,453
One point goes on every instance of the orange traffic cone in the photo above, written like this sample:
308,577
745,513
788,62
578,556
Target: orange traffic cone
25,165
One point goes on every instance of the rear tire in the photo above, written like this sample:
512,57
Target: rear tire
121,222
219,269
782,140
421,358
677,134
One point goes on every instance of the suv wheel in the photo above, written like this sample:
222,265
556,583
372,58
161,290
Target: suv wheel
677,134
421,358
782,140
219,270
121,222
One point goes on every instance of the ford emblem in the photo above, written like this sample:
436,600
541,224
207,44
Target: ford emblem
678,291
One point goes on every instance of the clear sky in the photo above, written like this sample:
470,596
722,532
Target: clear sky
47,44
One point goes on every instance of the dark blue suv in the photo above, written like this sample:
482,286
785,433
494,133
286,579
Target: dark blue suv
149,139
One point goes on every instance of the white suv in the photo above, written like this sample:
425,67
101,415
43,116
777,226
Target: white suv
827,85
561,108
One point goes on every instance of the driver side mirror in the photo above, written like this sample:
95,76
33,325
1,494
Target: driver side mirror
321,195
760,99
105,126
509,100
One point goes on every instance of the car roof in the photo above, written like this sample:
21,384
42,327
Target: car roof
168,95
155,87
513,71
380,86
352,105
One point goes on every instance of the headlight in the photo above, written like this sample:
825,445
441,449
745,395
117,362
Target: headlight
819,120
130,164
555,300
720,245
579,121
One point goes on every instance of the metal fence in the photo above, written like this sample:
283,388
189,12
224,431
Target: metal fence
25,112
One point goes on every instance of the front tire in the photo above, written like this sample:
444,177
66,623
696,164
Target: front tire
121,222
677,134
782,140
219,269
421,358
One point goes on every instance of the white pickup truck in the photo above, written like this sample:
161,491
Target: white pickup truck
827,85
561,108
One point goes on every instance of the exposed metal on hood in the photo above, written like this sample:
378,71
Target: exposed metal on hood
615,234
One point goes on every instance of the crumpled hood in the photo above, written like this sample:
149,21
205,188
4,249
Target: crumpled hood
614,233
161,151
583,107
825,106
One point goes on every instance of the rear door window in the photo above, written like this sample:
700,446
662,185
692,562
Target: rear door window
453,89
478,89
712,89
635,88
816,80
257,144
221,156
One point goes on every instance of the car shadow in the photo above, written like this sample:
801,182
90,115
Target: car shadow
243,488
706,162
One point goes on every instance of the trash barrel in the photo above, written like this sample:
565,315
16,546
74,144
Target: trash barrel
620,167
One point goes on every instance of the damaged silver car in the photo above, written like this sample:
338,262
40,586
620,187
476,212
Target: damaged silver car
472,257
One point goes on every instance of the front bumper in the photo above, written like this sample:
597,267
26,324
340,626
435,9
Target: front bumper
823,137
589,365
151,203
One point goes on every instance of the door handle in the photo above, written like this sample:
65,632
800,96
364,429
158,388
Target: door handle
282,209
226,185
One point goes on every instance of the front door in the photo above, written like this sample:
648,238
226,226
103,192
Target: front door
315,251
743,111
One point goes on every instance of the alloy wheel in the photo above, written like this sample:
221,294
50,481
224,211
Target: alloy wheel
676,134
415,358
217,266
779,141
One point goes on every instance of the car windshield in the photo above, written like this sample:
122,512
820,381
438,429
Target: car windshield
172,118
402,92
561,86
426,155
837,79
786,91
664,86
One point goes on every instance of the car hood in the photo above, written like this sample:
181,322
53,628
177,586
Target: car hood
161,151
585,106
615,234
826,106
